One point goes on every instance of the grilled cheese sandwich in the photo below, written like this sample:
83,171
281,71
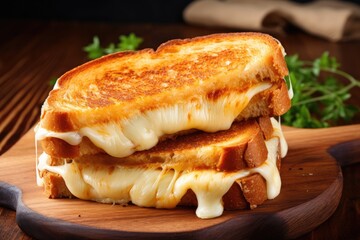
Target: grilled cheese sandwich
188,124
163,185
142,131
182,85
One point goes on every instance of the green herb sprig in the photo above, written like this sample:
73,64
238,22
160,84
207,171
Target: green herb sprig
126,42
319,96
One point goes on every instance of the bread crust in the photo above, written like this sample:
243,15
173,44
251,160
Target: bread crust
261,105
241,146
246,193
126,83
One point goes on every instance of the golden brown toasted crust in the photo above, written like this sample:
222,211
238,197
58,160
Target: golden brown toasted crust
54,185
272,102
245,193
120,85
234,198
229,153
57,147
254,189
259,105
266,127
242,146
256,151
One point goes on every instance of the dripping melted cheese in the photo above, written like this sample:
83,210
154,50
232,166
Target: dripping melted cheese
142,132
164,188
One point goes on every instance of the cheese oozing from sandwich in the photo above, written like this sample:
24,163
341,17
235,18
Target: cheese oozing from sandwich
164,188
142,131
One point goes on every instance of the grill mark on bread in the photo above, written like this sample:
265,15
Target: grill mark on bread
219,76
216,94
261,104
177,76
145,81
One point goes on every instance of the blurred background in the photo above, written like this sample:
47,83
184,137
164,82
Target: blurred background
333,20
106,10
42,39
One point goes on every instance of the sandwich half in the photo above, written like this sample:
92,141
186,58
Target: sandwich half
233,169
188,124
128,101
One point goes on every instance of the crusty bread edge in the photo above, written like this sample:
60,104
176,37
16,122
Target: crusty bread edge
245,193
268,103
61,121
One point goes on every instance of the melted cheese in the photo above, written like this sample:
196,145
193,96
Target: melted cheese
290,90
279,133
120,139
73,138
39,180
163,188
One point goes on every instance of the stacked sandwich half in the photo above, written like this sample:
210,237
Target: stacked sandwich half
191,124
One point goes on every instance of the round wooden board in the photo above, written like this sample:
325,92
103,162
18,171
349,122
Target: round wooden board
311,190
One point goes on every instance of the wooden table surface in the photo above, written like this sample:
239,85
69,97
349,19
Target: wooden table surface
34,52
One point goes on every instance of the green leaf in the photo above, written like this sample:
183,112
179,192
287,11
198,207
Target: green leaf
110,49
52,81
126,42
293,62
350,112
130,42
94,49
319,96
316,67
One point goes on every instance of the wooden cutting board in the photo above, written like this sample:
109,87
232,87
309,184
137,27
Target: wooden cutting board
311,190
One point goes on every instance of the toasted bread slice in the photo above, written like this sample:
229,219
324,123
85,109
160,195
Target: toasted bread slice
230,165
246,193
202,83
270,98
240,147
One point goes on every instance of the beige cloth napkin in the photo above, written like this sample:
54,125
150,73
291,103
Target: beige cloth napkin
332,20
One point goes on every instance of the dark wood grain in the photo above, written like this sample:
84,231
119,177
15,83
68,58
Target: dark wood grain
33,52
